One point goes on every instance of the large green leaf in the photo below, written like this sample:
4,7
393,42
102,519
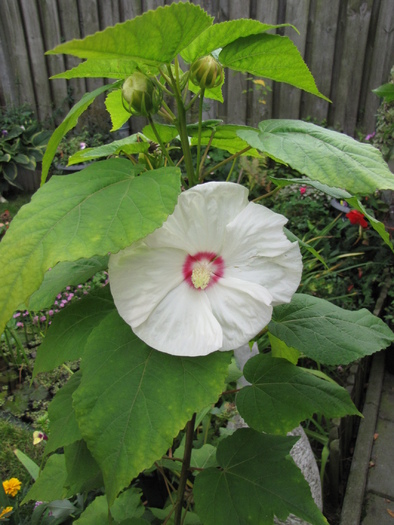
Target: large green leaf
83,473
323,155
156,37
226,137
68,123
107,68
282,395
70,329
64,426
220,35
270,56
257,481
101,209
129,505
95,514
129,145
64,274
114,105
326,333
49,485
133,400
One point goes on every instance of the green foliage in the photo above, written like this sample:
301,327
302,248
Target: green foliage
247,487
265,404
101,210
22,143
324,155
326,333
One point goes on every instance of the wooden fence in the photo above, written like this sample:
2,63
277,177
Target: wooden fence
347,44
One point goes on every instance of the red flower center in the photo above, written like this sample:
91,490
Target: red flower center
203,269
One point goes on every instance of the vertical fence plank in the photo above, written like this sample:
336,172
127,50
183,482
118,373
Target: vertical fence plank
297,15
108,13
69,25
320,57
7,91
37,58
129,9
89,23
236,81
147,5
266,12
13,37
55,63
382,59
348,73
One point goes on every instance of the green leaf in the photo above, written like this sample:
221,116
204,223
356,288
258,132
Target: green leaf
156,37
70,329
107,68
95,514
166,516
32,468
10,171
167,133
149,397
68,273
323,155
128,505
68,123
25,161
270,56
226,137
114,105
129,145
280,349
49,484
101,209
64,426
326,333
266,406
257,481
385,91
83,473
220,35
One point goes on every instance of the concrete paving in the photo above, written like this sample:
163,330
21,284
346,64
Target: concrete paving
369,498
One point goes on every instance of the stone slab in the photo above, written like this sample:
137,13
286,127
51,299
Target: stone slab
377,511
386,409
381,475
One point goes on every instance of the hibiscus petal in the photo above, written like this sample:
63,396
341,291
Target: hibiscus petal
200,218
242,308
255,231
280,275
141,277
182,324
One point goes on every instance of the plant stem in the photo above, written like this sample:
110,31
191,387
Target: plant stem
181,125
162,146
185,470
199,132
238,154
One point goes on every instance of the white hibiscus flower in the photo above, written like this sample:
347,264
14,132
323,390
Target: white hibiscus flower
208,278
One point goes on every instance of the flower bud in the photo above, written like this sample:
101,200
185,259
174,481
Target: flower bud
140,95
206,72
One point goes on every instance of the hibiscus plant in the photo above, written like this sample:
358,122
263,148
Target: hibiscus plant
196,272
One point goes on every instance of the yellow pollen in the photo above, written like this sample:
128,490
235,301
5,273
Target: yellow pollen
201,277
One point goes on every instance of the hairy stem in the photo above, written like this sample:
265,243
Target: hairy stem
185,470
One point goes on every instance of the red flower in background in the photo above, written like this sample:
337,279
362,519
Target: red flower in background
356,217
